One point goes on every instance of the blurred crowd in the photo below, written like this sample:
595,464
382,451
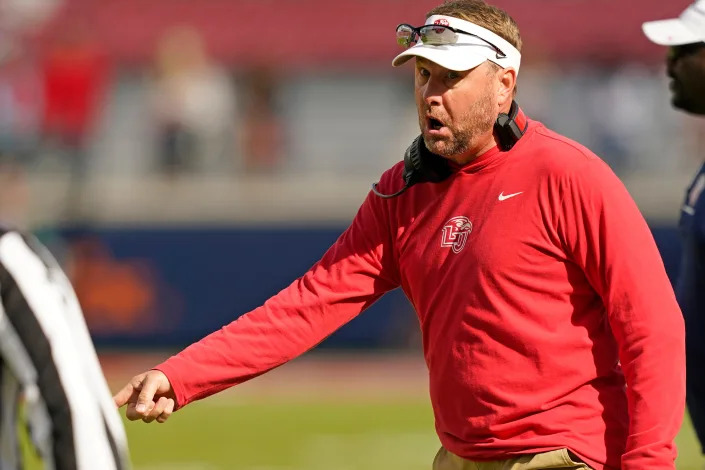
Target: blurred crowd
68,108
202,117
196,117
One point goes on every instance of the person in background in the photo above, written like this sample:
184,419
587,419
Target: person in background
75,76
685,66
193,104
550,329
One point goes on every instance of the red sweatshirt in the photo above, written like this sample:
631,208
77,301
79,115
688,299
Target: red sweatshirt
534,277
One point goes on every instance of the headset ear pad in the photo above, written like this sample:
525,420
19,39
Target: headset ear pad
507,129
421,166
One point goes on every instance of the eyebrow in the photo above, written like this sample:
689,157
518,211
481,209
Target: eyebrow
422,61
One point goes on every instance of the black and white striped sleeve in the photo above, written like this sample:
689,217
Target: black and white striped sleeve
10,453
45,343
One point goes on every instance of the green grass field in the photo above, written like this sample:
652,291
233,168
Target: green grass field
388,434
220,434
318,414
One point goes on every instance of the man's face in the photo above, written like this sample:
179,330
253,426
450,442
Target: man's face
457,110
686,66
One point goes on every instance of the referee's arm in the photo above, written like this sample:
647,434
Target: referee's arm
45,343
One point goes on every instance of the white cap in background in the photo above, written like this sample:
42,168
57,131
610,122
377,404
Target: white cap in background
688,28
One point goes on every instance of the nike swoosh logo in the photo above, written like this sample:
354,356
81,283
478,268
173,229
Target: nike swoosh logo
503,197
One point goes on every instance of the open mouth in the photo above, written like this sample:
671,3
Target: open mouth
434,124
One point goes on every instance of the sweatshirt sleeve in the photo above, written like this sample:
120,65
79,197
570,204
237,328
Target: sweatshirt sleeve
606,235
355,271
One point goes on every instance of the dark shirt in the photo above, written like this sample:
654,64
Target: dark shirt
690,288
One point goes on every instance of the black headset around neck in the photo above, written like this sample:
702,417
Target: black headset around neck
422,166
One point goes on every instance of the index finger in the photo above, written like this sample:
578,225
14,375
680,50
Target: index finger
124,395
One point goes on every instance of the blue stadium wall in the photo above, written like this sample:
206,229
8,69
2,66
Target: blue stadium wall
168,287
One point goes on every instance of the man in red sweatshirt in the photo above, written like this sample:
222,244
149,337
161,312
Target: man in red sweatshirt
550,330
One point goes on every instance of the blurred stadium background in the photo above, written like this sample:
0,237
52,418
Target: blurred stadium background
185,160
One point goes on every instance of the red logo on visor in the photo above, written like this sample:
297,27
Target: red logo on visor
440,22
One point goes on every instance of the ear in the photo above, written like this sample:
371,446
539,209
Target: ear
506,79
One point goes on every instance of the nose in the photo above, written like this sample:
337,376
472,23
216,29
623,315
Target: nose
433,92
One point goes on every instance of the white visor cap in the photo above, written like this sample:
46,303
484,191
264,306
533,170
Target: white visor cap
689,28
468,52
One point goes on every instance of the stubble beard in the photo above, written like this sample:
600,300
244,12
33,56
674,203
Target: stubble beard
477,121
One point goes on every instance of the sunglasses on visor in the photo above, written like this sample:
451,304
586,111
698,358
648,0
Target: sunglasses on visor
436,35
